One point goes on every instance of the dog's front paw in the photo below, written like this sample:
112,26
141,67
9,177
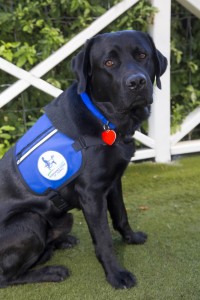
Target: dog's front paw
54,273
122,279
70,241
67,242
136,238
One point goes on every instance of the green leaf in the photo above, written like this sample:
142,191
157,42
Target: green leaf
192,66
7,128
39,23
5,136
4,17
21,61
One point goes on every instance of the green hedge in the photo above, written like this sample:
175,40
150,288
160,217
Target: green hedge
185,58
31,30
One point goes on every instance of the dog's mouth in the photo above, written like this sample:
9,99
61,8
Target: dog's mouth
109,109
123,111
134,105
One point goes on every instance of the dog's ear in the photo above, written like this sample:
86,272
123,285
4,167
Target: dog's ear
81,66
160,63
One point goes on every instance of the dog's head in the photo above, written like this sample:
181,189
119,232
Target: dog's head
118,70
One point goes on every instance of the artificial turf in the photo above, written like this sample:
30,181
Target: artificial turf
164,201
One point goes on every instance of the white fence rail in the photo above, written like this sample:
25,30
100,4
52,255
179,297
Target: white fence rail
161,145
62,53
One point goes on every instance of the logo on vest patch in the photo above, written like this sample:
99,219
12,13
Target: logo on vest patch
52,165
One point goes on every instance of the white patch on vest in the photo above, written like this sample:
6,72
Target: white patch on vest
52,165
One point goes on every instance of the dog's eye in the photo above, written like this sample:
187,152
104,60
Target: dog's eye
109,63
141,55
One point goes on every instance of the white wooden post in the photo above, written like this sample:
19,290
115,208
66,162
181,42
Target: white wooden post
159,123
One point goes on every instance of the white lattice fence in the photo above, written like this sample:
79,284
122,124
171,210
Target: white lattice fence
159,142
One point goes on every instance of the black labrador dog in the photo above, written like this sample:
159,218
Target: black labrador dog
98,114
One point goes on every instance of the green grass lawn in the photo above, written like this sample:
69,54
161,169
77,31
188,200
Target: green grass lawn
162,200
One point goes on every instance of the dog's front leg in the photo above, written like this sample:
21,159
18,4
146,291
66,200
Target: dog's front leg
119,216
94,207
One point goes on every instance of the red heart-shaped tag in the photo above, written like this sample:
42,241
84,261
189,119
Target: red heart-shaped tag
108,136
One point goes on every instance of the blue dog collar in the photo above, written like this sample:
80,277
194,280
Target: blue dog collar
87,101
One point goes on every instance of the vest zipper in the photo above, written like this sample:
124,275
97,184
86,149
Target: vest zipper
26,151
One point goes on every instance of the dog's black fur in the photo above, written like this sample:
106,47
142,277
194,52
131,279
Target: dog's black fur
117,70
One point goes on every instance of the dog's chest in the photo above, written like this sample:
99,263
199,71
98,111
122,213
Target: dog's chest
47,159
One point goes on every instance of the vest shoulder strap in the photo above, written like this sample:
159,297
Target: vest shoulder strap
84,142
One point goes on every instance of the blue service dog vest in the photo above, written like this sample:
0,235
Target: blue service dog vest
46,158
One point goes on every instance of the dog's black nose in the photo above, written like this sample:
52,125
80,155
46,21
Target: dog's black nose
136,81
